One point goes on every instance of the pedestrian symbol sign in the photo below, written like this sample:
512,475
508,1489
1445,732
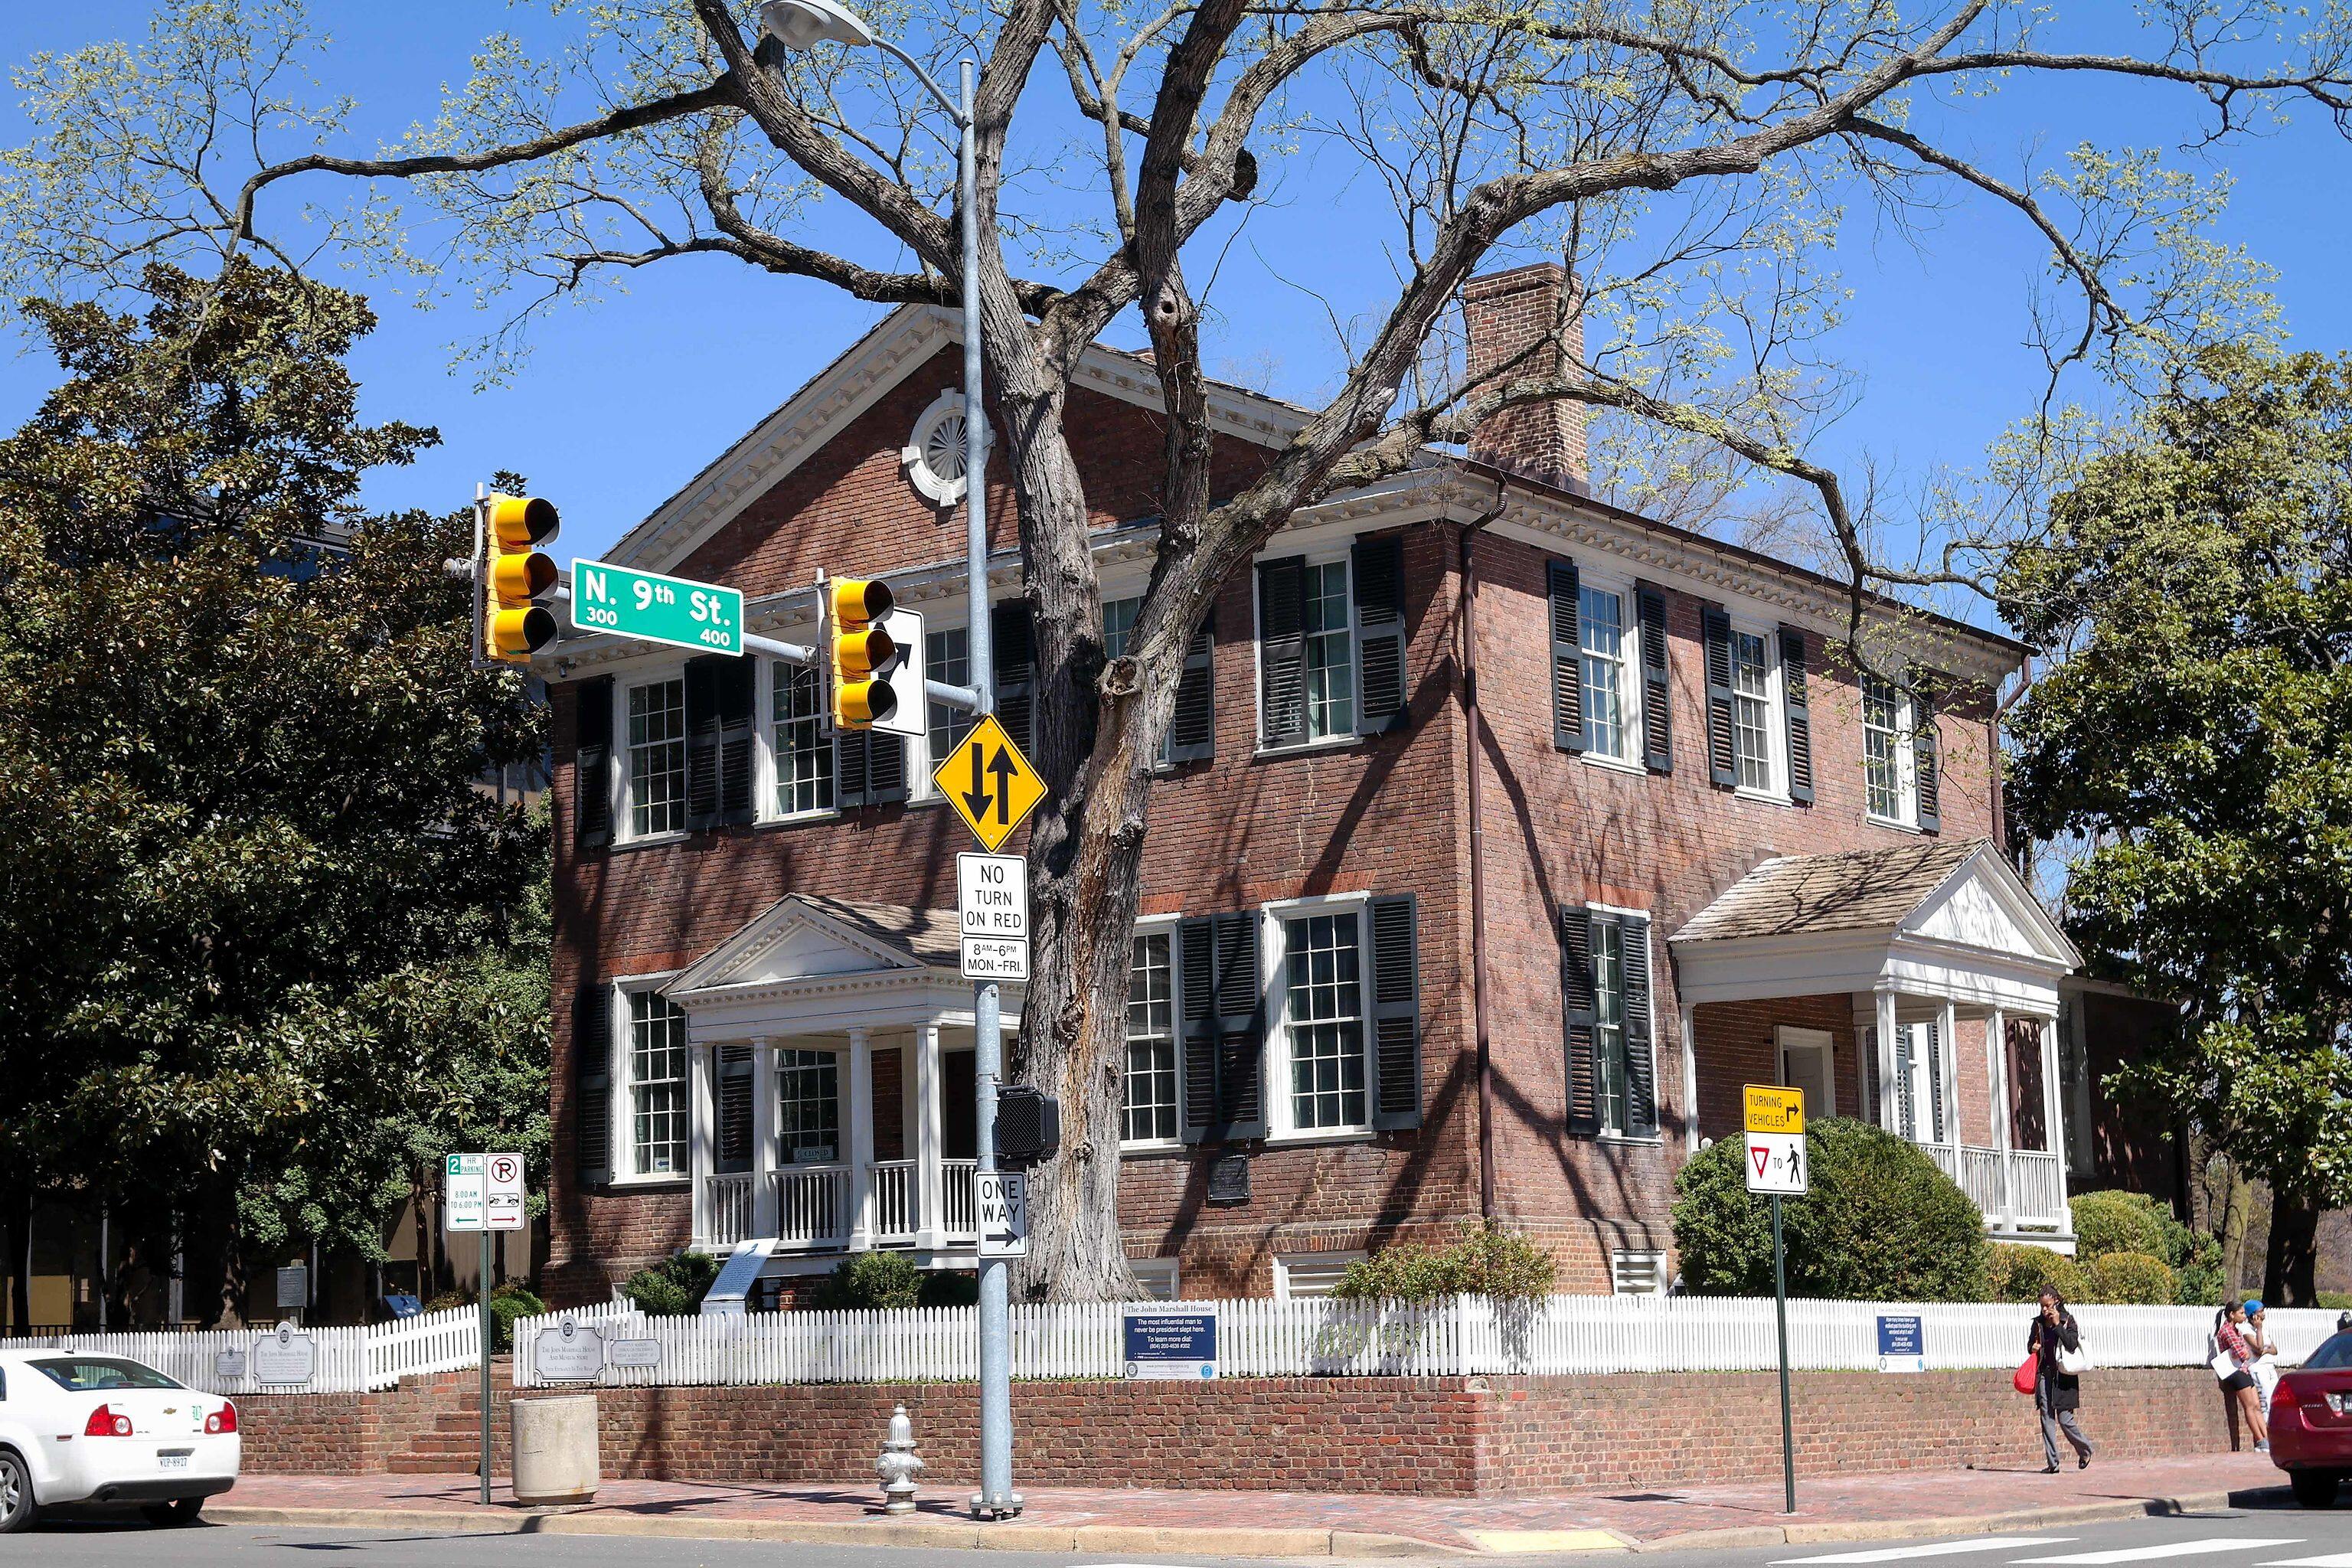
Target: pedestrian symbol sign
989,782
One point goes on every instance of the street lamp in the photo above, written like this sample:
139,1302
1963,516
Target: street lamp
798,25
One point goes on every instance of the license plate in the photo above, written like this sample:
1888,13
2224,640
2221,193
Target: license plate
172,1462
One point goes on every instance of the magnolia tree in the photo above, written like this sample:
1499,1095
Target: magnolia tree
1689,164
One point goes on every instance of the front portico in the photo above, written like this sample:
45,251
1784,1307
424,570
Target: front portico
830,1045
1946,970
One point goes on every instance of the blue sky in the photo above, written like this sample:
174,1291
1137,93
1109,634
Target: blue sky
620,404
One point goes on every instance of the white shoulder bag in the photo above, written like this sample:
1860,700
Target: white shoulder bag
2073,1364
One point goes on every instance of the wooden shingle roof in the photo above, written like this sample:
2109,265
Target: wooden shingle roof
1862,890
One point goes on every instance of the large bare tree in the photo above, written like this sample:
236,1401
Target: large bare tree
1689,160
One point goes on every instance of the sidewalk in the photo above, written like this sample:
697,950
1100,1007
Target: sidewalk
1289,1524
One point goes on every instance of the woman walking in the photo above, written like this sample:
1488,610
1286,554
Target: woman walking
2057,1393
2237,1382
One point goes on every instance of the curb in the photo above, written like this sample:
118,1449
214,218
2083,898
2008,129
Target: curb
932,1534
1956,1524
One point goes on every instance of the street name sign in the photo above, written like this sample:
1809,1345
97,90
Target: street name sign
992,911
1003,1198
989,782
1168,1341
1775,1163
1771,1107
654,608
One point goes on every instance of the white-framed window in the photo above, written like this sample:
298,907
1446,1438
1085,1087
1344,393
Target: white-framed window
1889,764
1756,722
1148,1111
1635,1273
803,750
1316,956
1604,635
1161,1278
659,1114
1309,1275
808,1107
656,773
1119,621
947,658
1609,1021
1330,650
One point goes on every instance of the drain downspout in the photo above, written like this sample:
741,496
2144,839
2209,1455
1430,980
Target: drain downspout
1474,728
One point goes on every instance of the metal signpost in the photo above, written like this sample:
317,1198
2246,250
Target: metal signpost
483,1193
1775,1167
651,607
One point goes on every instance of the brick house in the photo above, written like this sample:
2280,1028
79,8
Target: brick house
1710,856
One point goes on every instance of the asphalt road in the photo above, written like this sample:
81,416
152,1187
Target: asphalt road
2280,1537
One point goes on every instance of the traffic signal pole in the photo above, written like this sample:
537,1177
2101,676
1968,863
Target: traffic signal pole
996,1497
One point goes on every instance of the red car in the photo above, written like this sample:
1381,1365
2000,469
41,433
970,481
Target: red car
2311,1423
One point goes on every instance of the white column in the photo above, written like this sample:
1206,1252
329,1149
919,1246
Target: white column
930,1191
2053,1119
1947,1068
1690,1078
1866,1044
860,1110
1997,1079
700,1061
765,1220
1889,1101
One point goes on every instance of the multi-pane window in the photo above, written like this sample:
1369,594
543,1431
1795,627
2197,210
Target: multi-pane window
1602,636
1119,620
657,1102
657,757
803,753
1609,1020
808,1107
947,658
1330,658
1751,709
1325,1020
1151,1098
1885,761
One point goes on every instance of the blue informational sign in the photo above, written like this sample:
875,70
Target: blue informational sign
1171,1342
1902,1343
402,1306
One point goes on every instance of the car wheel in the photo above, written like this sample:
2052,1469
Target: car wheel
2314,1488
17,1509
180,1511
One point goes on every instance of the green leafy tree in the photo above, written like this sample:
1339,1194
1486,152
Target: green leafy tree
248,889
2188,754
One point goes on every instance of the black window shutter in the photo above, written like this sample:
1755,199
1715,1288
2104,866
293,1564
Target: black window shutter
1722,762
1927,759
1196,999
1396,1013
1795,699
738,691
1577,1009
1905,1108
1241,1029
1379,567
1657,695
718,743
1013,651
1566,657
1640,1030
592,763
733,1152
852,783
886,767
1282,651
1192,732
592,1083
1934,1032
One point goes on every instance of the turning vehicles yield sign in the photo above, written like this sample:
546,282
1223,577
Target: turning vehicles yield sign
989,782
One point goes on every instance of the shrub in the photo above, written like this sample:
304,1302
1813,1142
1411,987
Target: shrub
2334,1300
675,1287
1881,1223
2129,1279
2107,1222
1484,1260
2020,1273
509,1302
864,1281
951,1288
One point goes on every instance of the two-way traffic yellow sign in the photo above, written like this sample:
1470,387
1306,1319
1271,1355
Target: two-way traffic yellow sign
990,783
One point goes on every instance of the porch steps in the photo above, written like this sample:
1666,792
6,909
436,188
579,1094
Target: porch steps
453,1444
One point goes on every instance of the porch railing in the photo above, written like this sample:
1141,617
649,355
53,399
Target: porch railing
812,1205
896,1186
961,1219
723,1211
2014,1186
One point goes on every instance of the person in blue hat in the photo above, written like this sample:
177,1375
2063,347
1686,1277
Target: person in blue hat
2265,1349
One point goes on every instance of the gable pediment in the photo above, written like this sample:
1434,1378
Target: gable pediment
792,941
1983,906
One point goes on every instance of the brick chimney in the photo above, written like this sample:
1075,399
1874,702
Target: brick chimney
1505,312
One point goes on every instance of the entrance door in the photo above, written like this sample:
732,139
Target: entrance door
1809,1062
958,1120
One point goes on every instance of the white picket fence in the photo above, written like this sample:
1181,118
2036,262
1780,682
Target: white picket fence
346,1361
1566,1334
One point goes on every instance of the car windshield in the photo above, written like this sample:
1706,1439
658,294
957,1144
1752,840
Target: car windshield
96,1375
2335,1354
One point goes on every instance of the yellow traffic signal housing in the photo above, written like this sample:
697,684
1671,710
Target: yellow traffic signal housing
862,652
516,621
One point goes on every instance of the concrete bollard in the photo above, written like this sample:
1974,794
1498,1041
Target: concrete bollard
555,1448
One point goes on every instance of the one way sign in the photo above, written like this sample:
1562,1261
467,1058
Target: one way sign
989,782
1003,1198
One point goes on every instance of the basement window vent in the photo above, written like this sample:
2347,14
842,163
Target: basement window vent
1158,1275
1304,1276
1637,1273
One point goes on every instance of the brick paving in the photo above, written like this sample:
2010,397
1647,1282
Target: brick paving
1652,1516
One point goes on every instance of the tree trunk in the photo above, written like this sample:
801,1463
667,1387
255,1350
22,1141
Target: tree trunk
2236,1212
19,1219
2289,1279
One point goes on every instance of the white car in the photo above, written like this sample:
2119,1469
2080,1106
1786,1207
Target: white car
78,1428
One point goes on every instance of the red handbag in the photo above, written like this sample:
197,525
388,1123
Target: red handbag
2027,1372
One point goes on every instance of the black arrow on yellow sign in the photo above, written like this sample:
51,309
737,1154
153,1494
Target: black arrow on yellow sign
991,784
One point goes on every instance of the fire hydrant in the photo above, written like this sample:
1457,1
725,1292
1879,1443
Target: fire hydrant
899,1465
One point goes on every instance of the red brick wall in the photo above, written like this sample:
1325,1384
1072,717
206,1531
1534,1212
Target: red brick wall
343,1434
1454,1436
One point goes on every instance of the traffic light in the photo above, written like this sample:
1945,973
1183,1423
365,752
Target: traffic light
516,621
863,652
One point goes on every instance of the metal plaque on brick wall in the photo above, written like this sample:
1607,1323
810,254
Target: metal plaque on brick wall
1229,1179
569,1353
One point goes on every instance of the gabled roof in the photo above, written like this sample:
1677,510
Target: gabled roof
805,935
